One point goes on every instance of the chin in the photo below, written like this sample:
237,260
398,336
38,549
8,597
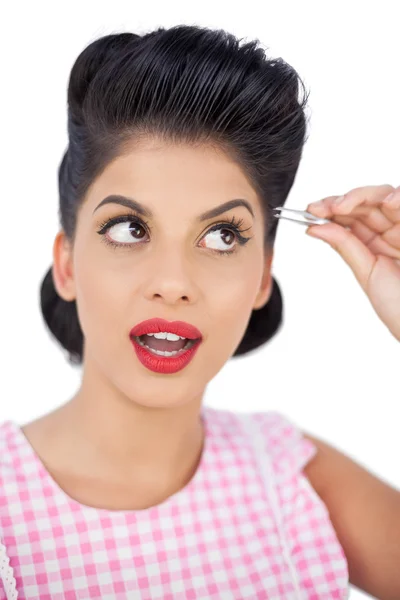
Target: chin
157,392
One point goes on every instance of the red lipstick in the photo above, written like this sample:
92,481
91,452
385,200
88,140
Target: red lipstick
165,364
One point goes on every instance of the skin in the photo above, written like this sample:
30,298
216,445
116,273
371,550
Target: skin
130,438
365,513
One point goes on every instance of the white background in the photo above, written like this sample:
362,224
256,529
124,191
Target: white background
334,367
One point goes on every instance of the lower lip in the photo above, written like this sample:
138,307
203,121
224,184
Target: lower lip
164,364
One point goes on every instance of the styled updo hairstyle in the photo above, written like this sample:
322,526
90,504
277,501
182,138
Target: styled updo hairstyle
185,84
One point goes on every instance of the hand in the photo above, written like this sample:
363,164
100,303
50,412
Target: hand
370,244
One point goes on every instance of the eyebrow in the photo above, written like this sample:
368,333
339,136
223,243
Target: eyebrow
146,212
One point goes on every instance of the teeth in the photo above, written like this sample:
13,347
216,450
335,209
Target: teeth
166,353
160,352
164,335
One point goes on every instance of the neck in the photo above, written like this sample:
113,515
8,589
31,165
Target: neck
102,434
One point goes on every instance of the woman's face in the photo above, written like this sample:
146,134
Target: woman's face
170,265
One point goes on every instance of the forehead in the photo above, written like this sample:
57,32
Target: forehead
178,175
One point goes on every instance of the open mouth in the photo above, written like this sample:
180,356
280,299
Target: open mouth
164,347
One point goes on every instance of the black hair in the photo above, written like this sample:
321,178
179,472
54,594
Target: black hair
185,84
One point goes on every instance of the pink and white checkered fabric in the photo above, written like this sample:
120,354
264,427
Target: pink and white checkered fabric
248,525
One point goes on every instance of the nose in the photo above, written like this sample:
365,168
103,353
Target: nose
172,278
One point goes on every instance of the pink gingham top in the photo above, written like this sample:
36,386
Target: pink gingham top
247,525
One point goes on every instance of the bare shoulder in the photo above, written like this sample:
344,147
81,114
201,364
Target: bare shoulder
365,512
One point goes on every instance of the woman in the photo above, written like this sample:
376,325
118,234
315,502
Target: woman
181,143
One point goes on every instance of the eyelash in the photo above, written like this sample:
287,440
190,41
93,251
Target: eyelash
233,225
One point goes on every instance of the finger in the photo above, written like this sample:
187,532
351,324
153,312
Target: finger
372,217
391,212
368,195
371,226
376,243
392,236
393,201
363,232
374,212
384,214
380,243
353,251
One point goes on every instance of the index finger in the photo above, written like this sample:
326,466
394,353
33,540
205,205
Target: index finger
362,198
368,195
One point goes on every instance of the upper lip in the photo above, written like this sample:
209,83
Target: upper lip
157,325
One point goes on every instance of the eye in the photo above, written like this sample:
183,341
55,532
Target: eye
221,239
122,231
126,232
226,238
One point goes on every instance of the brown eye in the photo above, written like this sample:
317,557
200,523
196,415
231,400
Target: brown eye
220,238
228,236
127,232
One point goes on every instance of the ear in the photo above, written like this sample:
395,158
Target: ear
265,290
63,274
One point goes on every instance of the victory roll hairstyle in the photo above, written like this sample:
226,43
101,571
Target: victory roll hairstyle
186,84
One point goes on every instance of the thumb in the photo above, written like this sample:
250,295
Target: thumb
353,251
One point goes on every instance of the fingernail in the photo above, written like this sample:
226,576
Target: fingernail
388,198
339,200
311,230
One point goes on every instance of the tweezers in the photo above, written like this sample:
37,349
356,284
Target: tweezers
306,217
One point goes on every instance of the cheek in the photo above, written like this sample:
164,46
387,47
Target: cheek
102,301
232,305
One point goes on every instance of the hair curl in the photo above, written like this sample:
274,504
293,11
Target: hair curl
183,84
